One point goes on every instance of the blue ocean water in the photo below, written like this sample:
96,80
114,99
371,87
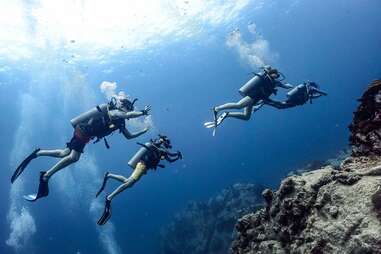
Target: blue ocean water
182,66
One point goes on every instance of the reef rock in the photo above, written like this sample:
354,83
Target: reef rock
366,126
207,227
322,211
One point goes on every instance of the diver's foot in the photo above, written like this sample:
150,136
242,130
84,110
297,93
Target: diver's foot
24,164
103,184
43,189
106,213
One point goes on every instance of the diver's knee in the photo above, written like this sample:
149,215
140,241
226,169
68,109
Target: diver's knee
64,153
129,181
74,156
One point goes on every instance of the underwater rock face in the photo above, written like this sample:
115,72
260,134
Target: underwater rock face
366,126
207,227
322,211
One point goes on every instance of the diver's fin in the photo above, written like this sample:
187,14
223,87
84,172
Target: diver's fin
103,185
209,125
220,119
106,213
43,190
23,165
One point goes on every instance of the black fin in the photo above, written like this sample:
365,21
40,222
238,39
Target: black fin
43,190
23,165
106,213
103,185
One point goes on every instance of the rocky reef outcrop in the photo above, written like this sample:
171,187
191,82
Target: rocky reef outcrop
322,211
207,227
366,126
328,210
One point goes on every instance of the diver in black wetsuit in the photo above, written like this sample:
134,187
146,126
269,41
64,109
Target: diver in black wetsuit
299,95
148,157
257,89
94,124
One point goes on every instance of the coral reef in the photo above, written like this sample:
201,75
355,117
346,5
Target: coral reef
207,227
322,211
366,126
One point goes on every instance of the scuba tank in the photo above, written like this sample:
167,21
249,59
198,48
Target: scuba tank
257,86
138,156
149,154
97,111
298,95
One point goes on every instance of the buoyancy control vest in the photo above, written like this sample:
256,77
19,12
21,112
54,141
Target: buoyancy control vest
96,123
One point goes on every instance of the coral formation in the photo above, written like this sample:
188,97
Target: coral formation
322,211
366,126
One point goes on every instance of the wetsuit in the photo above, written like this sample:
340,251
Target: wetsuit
299,95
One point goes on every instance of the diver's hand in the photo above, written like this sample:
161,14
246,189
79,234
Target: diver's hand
146,110
180,155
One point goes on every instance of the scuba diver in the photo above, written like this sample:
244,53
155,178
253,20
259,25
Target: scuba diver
147,157
297,96
257,89
96,123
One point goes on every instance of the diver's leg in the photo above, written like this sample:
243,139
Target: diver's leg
108,175
120,178
72,157
245,115
57,153
139,170
128,182
246,101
